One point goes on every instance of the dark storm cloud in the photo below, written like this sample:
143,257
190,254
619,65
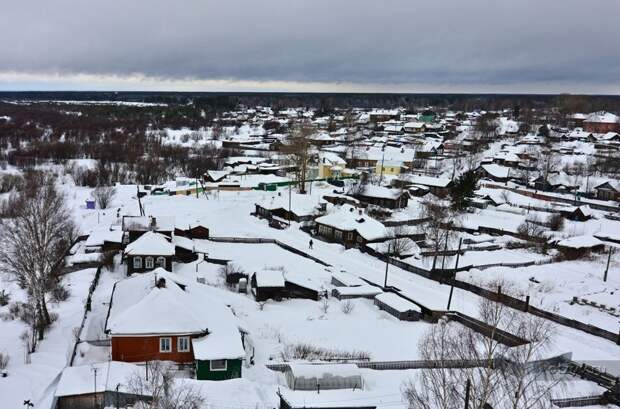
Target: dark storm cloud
356,41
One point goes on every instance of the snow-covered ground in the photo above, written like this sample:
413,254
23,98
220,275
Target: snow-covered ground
276,324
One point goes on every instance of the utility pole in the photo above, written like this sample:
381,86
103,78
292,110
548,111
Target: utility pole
456,266
289,205
467,388
95,369
387,265
611,250
382,161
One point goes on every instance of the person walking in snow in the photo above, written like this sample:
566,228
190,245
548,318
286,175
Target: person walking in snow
310,244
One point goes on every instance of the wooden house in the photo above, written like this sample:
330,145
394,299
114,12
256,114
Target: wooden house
136,226
148,252
196,230
438,186
351,227
607,191
579,214
580,246
160,316
383,197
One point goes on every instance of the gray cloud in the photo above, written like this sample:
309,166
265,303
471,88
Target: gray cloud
390,42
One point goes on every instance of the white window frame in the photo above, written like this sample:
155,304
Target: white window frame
149,262
161,261
161,339
225,368
137,262
179,346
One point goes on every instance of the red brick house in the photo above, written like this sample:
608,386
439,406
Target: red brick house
602,122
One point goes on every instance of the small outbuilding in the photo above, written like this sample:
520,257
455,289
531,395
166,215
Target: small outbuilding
268,284
77,389
312,377
580,246
398,307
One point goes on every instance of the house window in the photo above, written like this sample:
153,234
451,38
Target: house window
148,262
338,234
161,261
165,344
183,344
137,262
350,236
218,364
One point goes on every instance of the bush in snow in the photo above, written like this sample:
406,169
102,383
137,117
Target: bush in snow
310,352
347,307
4,298
556,222
324,305
59,293
4,361
107,259
104,195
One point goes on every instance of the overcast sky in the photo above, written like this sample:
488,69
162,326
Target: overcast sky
314,45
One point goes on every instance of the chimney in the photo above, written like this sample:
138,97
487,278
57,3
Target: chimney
360,212
153,223
161,283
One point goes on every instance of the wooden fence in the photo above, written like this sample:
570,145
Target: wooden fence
87,308
446,276
578,402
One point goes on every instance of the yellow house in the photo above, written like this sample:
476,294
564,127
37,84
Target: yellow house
330,165
388,168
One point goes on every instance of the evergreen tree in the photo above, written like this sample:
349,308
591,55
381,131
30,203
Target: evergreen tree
463,190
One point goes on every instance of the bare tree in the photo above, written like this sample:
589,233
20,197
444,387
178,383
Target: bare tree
526,380
298,148
166,393
439,387
33,243
399,243
104,195
439,217
505,377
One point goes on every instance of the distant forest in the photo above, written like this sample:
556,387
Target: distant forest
328,101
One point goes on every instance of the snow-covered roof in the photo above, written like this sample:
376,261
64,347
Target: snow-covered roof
398,303
150,244
429,181
348,279
580,242
98,237
219,344
300,204
360,290
381,192
602,117
347,218
145,223
269,278
78,380
318,371
496,170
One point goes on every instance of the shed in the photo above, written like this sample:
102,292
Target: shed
344,279
76,389
268,284
299,286
311,377
361,291
399,307
579,246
